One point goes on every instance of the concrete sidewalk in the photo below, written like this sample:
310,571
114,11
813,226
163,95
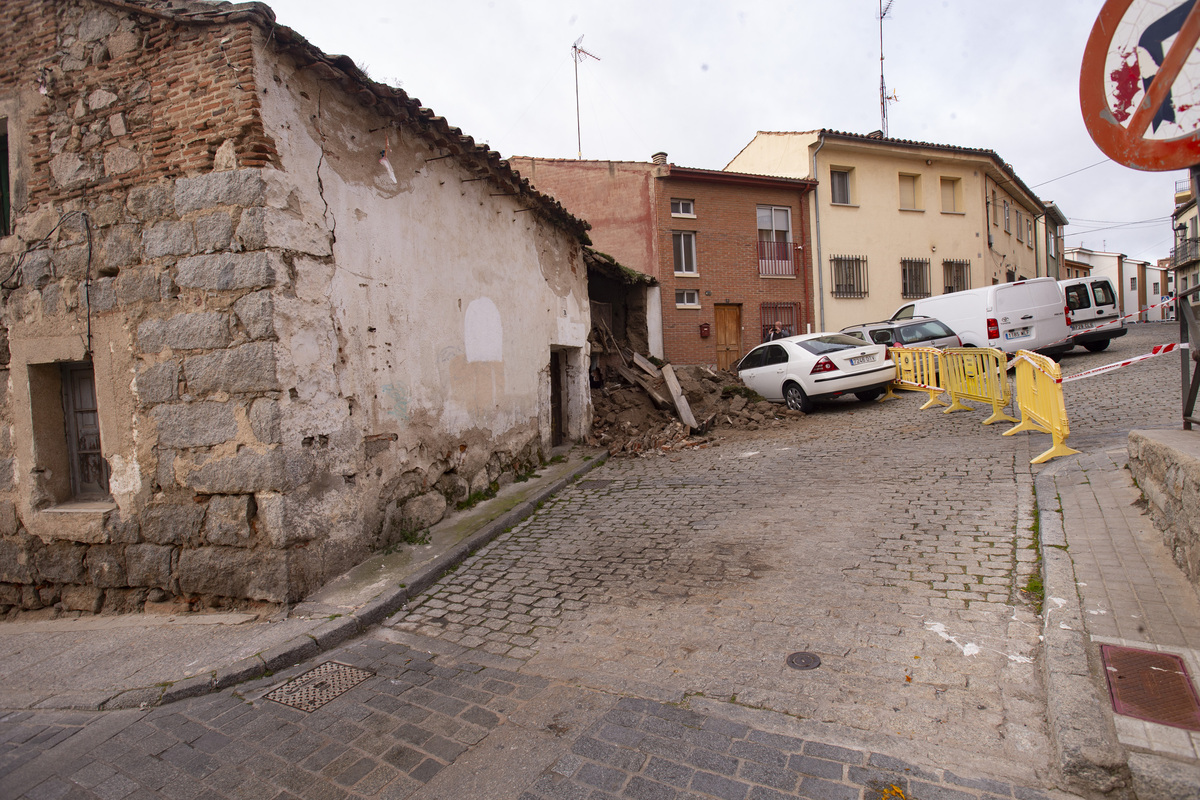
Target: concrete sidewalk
1110,580
139,660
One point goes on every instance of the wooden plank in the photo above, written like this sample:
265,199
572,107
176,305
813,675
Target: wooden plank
646,366
681,403
633,377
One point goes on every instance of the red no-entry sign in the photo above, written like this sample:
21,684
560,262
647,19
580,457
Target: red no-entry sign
1139,87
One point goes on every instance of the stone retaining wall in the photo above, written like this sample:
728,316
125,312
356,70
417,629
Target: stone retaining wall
1166,466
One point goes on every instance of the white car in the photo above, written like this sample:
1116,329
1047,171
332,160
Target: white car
800,370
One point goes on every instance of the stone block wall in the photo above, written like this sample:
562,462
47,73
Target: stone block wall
158,236
1166,466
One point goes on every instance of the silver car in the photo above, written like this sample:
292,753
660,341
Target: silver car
913,332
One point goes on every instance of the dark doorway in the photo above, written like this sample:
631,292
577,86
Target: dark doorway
556,398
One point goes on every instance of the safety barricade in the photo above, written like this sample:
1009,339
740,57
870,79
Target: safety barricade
917,370
1040,400
976,373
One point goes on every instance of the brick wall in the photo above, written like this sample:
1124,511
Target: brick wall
124,99
727,266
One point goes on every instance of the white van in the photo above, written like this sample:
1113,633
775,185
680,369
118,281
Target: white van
1095,320
1024,315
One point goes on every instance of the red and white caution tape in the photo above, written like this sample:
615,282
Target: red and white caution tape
1116,321
1157,350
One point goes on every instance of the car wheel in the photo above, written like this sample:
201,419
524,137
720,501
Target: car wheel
796,399
868,395
1096,347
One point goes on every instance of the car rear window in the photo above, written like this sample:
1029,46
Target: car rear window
1077,297
829,343
924,331
1103,293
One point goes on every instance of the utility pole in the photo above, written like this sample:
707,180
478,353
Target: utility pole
577,55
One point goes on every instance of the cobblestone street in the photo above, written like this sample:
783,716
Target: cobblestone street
631,638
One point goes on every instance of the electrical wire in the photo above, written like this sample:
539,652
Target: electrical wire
1069,174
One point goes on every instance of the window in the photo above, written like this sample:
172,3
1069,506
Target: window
66,432
1133,284
914,277
849,276
1077,297
839,186
786,314
687,298
910,192
1020,229
682,208
956,275
1052,242
1029,233
995,209
1007,226
951,196
685,252
1154,290
5,185
775,241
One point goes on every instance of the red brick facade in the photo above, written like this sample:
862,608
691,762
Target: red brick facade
629,208
147,100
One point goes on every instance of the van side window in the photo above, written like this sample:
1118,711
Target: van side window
1077,297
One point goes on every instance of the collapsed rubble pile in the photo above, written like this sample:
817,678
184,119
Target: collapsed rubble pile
637,417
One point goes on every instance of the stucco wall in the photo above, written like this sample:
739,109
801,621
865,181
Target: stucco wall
296,359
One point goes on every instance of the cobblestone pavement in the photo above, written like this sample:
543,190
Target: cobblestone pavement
630,639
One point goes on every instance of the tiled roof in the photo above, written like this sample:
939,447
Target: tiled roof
381,98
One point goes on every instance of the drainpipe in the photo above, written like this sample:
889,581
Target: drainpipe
817,206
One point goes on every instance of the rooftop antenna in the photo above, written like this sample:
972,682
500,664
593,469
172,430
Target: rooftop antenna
884,97
579,54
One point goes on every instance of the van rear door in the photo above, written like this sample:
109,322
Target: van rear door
1031,315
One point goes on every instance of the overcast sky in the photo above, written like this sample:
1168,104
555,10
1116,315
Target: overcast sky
699,79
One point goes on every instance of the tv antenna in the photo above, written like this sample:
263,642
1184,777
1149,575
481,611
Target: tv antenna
579,54
884,97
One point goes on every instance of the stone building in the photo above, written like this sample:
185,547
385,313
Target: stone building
261,314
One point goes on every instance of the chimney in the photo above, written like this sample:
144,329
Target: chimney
659,158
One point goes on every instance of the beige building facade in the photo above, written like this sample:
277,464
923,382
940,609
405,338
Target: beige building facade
896,220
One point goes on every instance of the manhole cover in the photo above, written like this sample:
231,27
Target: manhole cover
1151,686
318,686
804,661
595,484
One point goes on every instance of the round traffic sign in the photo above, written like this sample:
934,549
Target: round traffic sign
1139,87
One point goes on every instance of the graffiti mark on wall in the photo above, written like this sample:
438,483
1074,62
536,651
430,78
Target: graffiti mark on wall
396,397
449,353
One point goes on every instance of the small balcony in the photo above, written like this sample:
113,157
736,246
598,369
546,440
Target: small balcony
1185,252
776,260
1183,191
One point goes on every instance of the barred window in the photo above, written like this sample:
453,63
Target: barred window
957,275
788,315
849,276
914,277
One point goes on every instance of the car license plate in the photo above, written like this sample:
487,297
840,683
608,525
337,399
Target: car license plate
867,359
1083,326
1016,333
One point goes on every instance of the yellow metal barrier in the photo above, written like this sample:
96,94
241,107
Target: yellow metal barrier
1040,398
976,373
917,370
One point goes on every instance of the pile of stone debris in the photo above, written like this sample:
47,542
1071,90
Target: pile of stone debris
635,414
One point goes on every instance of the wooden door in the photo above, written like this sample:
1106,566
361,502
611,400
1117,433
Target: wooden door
729,334
556,398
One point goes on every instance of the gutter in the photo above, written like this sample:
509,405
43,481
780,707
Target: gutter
817,206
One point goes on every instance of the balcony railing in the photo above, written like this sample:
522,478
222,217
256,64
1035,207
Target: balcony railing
775,259
1186,251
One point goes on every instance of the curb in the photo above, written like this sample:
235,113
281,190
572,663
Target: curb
1090,759
336,631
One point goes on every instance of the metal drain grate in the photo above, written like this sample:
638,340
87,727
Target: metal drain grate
318,686
595,484
1150,686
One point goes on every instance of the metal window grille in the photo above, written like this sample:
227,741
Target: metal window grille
787,314
849,276
914,277
956,275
